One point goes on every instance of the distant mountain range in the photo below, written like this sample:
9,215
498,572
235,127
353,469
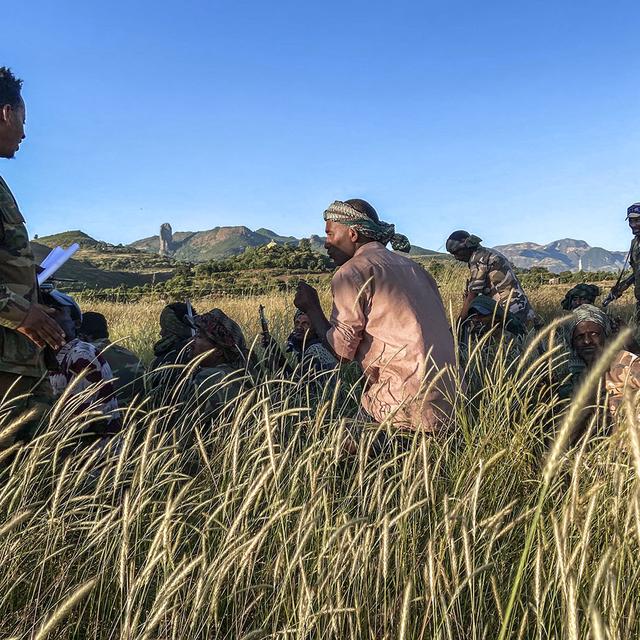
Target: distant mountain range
563,255
223,242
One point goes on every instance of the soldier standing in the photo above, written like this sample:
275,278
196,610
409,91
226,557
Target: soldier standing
490,274
26,327
633,216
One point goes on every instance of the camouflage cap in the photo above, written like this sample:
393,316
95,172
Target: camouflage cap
634,211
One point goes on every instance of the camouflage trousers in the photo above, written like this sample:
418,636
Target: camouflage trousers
24,401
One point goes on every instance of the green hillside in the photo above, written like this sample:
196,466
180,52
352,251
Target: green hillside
67,238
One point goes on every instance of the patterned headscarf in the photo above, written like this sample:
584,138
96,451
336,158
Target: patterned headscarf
462,240
589,313
584,313
344,213
217,327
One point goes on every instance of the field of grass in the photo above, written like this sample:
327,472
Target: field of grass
256,525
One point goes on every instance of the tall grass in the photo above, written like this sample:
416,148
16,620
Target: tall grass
255,524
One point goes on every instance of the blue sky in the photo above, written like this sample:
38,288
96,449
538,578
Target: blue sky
517,121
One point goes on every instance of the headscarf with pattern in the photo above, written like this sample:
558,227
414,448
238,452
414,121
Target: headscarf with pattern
344,213
217,327
584,313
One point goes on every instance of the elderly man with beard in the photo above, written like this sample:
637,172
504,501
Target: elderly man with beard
588,331
388,316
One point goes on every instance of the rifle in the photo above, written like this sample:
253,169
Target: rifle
626,284
190,317
263,320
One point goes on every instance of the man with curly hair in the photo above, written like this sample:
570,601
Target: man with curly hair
26,326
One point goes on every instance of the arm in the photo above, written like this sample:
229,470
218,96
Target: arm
468,299
30,319
343,333
307,300
621,287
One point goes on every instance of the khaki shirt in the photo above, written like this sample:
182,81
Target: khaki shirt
18,288
623,376
388,316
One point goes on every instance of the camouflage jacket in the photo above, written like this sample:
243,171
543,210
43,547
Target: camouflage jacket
128,370
491,274
634,261
18,288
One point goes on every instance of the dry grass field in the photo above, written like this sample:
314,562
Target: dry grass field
256,525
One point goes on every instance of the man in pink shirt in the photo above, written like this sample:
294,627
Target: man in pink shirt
389,317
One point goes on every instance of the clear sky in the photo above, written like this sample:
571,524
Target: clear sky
518,121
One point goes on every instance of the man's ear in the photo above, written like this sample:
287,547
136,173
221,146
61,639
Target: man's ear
5,113
354,236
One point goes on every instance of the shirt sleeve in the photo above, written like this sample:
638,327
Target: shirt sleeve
348,319
13,308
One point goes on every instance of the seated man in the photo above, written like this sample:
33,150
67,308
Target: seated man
491,274
486,316
176,331
580,294
388,316
127,369
588,332
305,344
80,367
221,351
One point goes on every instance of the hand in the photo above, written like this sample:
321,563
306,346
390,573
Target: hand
306,297
41,328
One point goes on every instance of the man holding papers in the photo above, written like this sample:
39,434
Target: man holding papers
26,327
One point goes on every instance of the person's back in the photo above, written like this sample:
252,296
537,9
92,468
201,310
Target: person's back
405,337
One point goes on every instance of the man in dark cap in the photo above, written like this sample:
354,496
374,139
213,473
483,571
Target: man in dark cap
490,274
580,294
633,217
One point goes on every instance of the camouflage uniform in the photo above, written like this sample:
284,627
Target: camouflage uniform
128,370
22,367
491,274
634,261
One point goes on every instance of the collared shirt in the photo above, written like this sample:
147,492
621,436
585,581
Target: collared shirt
491,274
80,365
388,316
18,289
